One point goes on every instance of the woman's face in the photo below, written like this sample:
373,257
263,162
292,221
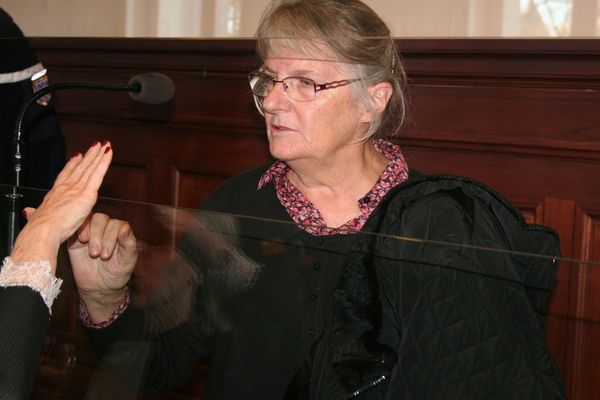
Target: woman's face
319,130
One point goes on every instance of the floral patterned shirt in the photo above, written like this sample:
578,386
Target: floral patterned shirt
307,217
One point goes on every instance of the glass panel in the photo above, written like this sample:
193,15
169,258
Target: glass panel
207,270
207,282
239,18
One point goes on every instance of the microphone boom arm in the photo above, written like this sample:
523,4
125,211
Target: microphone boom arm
14,196
114,87
150,87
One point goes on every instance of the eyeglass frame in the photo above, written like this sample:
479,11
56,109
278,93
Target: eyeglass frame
316,86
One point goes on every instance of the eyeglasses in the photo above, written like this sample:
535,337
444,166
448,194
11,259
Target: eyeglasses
296,88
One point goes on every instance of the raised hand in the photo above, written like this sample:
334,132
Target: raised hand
65,207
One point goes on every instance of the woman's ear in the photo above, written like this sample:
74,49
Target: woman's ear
380,95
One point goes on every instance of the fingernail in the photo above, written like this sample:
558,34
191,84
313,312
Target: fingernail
94,143
76,154
94,250
24,213
104,142
107,150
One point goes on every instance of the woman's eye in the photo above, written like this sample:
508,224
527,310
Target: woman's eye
306,82
267,81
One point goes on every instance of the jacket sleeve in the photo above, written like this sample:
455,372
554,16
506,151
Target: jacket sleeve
146,360
174,316
24,324
458,315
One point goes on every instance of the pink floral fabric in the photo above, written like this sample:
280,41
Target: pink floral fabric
307,217
84,316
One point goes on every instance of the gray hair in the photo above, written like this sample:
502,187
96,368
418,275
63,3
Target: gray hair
352,33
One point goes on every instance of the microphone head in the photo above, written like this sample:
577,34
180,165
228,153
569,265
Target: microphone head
155,88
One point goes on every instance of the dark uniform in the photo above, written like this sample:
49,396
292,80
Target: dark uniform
44,148
45,144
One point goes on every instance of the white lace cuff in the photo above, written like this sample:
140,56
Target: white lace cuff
35,274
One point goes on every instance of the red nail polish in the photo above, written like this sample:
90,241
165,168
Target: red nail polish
104,142
24,214
107,150
94,143
76,154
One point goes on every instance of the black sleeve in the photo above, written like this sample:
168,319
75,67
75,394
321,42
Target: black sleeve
172,323
460,305
152,346
24,324
411,253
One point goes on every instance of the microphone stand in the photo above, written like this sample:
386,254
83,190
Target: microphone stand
14,197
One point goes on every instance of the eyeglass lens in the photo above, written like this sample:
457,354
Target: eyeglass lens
296,88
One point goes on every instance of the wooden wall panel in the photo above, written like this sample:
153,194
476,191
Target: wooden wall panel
126,181
585,304
193,188
560,214
518,115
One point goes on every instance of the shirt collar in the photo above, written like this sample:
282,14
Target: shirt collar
278,171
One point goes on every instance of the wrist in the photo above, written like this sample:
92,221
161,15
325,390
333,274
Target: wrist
101,304
35,243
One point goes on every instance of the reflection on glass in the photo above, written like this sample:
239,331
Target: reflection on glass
232,18
546,17
204,270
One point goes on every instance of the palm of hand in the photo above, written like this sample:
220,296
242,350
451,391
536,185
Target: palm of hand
97,271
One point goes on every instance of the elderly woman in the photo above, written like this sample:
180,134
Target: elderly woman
351,314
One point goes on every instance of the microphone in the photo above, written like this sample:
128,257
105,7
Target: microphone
154,88
150,87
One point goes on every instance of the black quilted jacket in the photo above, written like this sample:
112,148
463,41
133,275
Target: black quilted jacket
457,322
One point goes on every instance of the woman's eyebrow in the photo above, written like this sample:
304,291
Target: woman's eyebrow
302,72
297,72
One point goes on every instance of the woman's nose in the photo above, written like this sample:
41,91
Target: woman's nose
276,99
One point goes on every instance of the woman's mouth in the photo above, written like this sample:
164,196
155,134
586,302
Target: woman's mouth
279,129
